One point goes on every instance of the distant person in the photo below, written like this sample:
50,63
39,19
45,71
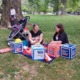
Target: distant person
12,16
36,35
60,34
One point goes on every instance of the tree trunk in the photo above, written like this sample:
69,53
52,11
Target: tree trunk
63,12
6,5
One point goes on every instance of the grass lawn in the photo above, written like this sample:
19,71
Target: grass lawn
18,67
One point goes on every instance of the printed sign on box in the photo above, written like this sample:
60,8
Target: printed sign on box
68,51
16,47
38,52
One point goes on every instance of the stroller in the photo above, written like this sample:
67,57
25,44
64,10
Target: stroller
17,30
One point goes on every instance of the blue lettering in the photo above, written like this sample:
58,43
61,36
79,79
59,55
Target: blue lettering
40,52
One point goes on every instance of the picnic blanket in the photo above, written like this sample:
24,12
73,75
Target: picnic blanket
29,56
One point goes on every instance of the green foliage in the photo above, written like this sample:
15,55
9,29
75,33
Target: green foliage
55,5
25,5
39,5
69,10
61,6
34,4
73,4
78,6
43,5
24,8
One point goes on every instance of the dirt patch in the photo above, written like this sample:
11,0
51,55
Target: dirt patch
26,68
2,28
17,76
29,25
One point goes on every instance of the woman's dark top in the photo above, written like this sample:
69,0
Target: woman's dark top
61,37
36,34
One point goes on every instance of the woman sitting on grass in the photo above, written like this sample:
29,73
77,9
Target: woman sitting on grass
35,35
60,34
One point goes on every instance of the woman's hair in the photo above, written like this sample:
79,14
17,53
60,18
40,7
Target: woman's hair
61,27
34,25
11,7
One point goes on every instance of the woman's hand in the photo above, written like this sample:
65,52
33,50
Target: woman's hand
33,42
37,43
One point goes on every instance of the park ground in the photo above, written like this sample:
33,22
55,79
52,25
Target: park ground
18,67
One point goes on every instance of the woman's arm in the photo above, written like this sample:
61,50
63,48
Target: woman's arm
67,41
41,38
30,39
63,38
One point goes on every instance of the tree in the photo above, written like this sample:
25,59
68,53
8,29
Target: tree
73,5
33,4
0,7
63,6
59,5
43,6
55,4
25,5
6,5
39,5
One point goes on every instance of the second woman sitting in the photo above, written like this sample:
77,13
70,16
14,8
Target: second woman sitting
35,35
60,34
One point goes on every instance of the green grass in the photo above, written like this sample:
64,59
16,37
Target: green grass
18,67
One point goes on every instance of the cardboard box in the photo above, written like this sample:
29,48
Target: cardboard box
53,48
16,47
68,51
38,52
